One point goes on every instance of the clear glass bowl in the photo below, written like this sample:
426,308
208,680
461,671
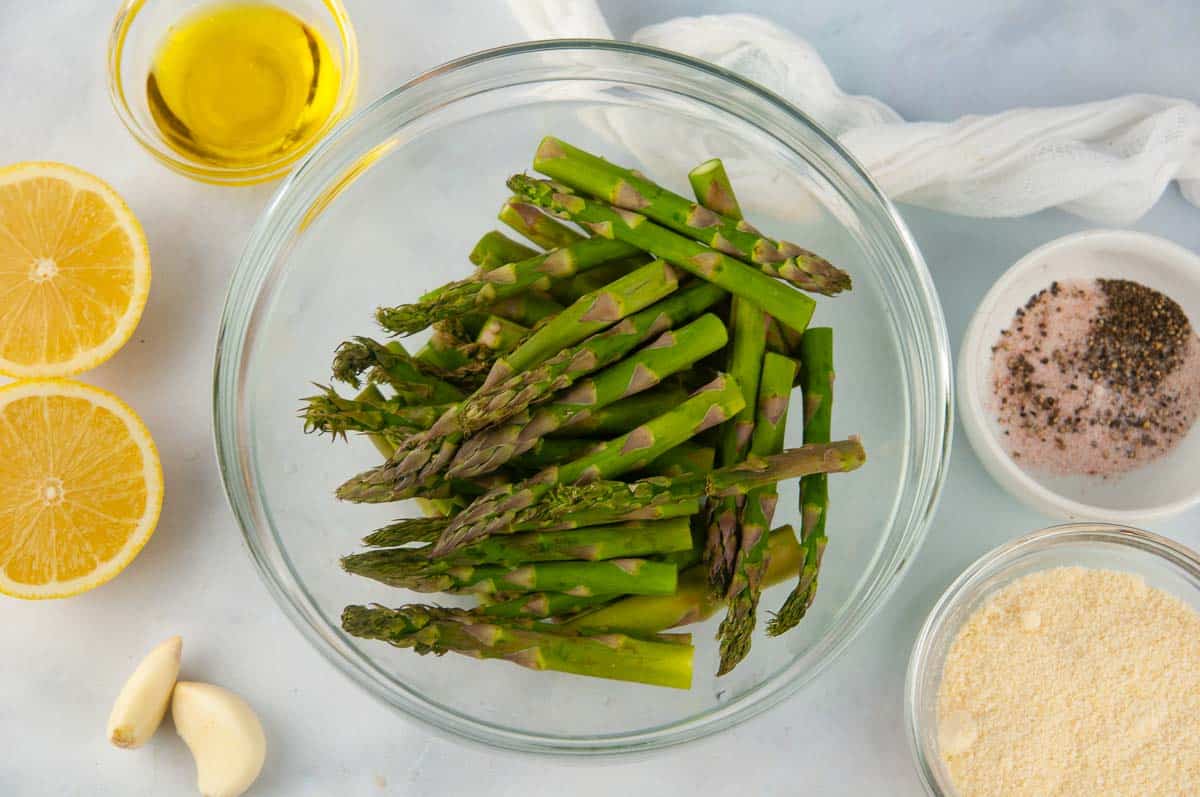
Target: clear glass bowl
387,208
1163,563
140,27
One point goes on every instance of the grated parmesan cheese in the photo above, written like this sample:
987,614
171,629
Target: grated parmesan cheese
1073,681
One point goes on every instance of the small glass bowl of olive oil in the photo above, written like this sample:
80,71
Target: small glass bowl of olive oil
231,91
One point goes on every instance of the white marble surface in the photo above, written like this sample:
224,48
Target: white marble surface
61,662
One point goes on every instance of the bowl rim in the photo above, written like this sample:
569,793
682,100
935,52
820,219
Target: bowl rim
991,563
1015,480
932,468
249,174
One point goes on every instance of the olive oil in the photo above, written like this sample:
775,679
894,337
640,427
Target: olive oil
241,84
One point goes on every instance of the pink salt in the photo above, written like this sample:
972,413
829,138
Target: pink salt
1051,333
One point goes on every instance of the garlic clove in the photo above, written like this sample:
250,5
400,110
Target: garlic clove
224,735
143,700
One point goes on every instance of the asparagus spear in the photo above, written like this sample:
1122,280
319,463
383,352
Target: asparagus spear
610,501
500,334
535,225
663,661
672,351
618,541
714,190
609,577
428,529
745,363
789,306
685,458
493,513
329,413
758,510
485,288
495,249
625,189
546,604
390,364
402,532
425,456
816,352
693,601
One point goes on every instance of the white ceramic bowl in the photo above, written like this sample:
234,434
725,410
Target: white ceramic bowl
1161,488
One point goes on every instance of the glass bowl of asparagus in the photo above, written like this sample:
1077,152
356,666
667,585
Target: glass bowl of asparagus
529,368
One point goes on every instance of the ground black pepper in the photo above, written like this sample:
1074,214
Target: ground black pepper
1138,337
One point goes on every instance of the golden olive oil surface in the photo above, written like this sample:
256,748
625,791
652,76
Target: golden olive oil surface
241,84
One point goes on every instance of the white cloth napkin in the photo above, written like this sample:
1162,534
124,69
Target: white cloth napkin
1106,161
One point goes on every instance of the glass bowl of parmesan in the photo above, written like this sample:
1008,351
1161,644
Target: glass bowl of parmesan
1064,662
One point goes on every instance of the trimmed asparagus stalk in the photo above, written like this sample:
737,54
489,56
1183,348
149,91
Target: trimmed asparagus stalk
610,501
622,188
789,306
618,541
494,512
758,510
536,226
669,353
495,249
745,363
549,516
488,287
714,190
816,351
663,661
428,529
693,601
609,577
